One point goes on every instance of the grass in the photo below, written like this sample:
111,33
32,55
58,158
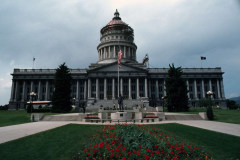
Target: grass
12,117
64,142
61,143
218,145
221,115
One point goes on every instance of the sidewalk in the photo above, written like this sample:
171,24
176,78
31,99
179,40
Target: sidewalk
9,133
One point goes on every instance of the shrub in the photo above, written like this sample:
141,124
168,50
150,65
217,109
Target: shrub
5,107
30,108
210,113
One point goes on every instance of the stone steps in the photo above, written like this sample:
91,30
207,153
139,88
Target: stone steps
62,118
183,117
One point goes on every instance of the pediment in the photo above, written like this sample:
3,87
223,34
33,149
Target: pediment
113,67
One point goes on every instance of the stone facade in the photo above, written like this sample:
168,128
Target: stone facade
98,85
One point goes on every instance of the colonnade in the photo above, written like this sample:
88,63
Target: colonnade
195,89
112,52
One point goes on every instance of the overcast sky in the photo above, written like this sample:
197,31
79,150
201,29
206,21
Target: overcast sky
170,31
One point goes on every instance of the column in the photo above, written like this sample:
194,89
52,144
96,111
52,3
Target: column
77,91
85,90
121,86
203,89
146,89
156,92
150,89
113,88
109,51
114,52
218,89
31,89
129,89
12,90
23,91
210,85
195,89
188,88
129,51
47,92
105,52
39,90
222,89
105,88
138,88
16,91
97,88
164,88
124,53
89,88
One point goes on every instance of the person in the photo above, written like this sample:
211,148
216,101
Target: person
120,102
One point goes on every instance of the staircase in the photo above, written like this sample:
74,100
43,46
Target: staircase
183,117
62,117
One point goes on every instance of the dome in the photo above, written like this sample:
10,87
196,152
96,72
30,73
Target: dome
112,22
116,19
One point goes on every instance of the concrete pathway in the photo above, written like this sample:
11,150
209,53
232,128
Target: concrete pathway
9,133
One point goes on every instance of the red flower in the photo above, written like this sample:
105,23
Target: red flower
124,148
112,155
147,157
117,150
156,146
124,158
134,152
88,154
129,153
148,150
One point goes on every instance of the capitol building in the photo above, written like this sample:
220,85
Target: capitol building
98,84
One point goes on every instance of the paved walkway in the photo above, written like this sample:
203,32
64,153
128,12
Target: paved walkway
9,133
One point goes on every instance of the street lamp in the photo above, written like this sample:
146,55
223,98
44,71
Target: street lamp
74,100
32,94
209,93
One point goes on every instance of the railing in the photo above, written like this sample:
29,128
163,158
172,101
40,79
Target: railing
50,71
187,70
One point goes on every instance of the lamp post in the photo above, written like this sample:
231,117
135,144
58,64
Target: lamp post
32,94
209,93
74,100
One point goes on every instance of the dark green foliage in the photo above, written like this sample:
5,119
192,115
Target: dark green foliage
205,102
231,104
176,90
61,99
5,107
210,113
30,108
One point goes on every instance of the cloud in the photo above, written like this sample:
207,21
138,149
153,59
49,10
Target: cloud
170,31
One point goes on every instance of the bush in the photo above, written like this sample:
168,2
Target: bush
30,108
231,104
210,113
5,107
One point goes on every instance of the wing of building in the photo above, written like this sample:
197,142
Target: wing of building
98,85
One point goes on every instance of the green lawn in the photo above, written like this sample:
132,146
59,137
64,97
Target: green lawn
218,145
13,117
64,142
221,115
57,144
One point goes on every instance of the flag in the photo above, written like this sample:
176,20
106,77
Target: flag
119,58
203,58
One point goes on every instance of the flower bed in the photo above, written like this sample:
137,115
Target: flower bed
131,142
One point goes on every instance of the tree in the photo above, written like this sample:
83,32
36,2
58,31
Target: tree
231,104
205,102
61,98
176,90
